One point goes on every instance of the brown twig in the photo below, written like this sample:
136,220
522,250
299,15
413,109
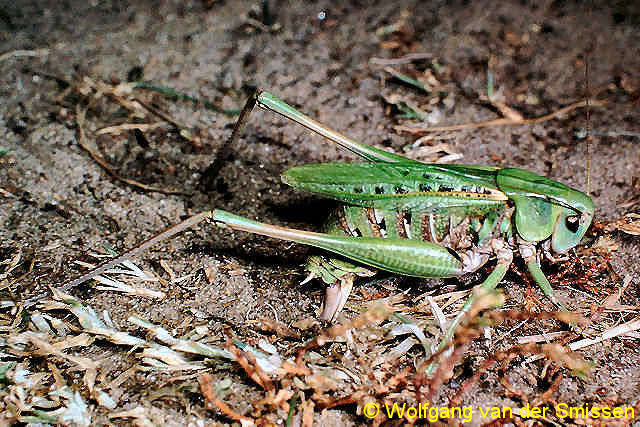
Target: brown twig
206,387
122,94
588,120
82,140
373,315
519,349
161,114
501,121
248,362
307,413
116,130
279,328
21,277
444,371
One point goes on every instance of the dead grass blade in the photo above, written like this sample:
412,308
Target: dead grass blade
82,140
501,121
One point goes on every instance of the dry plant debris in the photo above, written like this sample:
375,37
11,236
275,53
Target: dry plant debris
369,362
378,357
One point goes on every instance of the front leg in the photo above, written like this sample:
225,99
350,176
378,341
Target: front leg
504,255
528,252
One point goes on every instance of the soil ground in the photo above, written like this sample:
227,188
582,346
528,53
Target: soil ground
58,205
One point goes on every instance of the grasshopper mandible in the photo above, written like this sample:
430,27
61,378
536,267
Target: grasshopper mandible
411,218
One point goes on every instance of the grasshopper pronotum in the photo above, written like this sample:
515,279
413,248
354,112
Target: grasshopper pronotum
412,218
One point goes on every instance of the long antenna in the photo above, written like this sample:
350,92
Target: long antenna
587,96
588,108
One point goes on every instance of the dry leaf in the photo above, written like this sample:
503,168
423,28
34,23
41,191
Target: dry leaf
629,223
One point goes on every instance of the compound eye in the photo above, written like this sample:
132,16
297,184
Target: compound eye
573,223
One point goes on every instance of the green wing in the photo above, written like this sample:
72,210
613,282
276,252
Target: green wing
400,186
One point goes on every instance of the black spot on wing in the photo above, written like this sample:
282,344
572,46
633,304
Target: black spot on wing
400,190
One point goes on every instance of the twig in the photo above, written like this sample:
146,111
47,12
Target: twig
406,59
616,331
588,121
185,97
375,314
248,362
82,140
122,94
206,387
18,53
501,121
508,333
554,352
280,328
582,133
262,27
540,337
406,79
18,279
164,116
116,130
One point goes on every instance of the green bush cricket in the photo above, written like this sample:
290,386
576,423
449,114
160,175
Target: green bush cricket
411,218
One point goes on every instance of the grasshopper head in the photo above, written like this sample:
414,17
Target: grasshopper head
546,208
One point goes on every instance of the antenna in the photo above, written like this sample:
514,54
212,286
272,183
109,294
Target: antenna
588,109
